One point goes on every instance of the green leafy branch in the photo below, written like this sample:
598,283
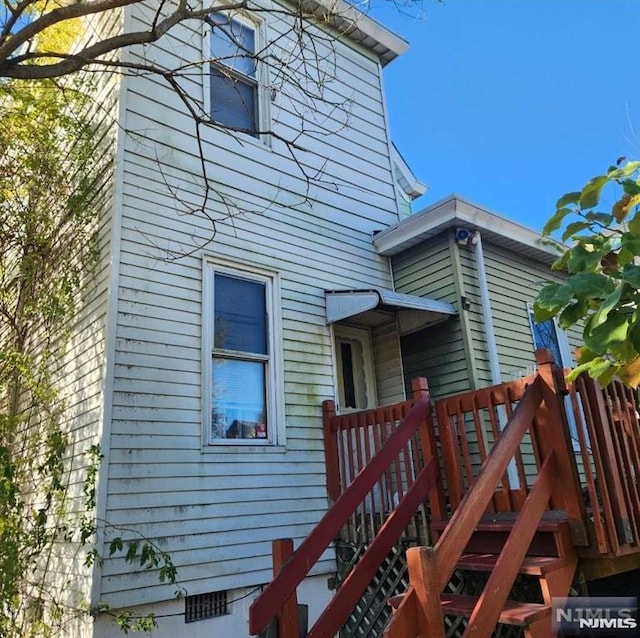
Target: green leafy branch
602,289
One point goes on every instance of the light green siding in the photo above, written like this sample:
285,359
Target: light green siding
454,354
513,282
436,352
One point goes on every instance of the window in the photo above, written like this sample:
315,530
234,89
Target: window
547,334
233,73
241,376
354,367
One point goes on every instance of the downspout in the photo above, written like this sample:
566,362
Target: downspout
492,351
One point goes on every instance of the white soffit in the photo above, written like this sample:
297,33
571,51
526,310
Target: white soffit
454,211
356,25
343,304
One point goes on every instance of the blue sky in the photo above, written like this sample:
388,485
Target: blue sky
511,103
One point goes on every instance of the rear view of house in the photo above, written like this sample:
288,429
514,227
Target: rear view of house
258,259
241,289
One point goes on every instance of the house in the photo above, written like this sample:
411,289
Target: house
249,271
203,352
507,469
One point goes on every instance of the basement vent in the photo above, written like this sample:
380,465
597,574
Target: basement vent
205,606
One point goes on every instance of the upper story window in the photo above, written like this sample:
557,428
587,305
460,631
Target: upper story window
242,375
233,73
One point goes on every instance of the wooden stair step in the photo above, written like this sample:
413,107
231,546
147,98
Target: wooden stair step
552,536
552,521
514,612
532,565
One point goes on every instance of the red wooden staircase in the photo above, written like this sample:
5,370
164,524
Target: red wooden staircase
551,558
502,479
531,539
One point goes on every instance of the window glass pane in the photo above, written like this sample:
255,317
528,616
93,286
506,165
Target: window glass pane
546,336
240,315
238,406
233,103
233,44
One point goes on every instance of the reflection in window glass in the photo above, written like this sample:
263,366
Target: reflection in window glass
240,358
233,74
238,406
240,314
545,335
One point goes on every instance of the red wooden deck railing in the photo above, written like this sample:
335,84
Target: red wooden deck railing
472,491
605,426
353,439
393,454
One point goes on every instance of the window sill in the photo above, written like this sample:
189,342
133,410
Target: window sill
262,141
222,449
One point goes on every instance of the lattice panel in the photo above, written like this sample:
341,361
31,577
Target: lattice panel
372,612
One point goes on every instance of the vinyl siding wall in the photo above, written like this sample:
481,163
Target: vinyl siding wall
217,510
513,283
436,352
80,376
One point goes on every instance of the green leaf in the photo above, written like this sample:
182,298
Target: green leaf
590,195
573,228
625,171
568,198
605,219
578,370
625,256
589,285
115,546
634,336
131,551
631,274
634,224
585,355
601,315
583,260
612,331
605,375
631,186
556,221
572,314
561,262
599,367
550,300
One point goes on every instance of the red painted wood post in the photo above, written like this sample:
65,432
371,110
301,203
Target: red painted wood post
424,578
552,433
420,389
332,462
282,550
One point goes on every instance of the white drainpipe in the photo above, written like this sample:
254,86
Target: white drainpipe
494,364
492,350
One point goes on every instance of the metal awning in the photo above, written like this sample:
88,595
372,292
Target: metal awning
375,306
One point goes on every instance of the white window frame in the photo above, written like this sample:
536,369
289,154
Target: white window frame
263,103
363,336
274,392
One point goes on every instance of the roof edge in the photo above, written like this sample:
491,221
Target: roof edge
452,211
357,26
